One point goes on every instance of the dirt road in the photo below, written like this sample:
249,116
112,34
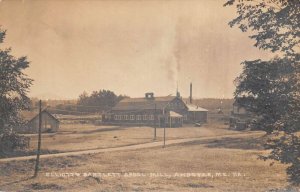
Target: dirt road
131,147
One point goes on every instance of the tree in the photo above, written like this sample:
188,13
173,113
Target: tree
98,101
14,85
271,89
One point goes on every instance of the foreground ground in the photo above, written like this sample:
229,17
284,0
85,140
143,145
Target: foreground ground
224,164
217,159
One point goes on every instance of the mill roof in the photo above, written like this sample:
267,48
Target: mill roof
143,103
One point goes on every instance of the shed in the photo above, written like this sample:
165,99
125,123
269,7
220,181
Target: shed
196,113
50,123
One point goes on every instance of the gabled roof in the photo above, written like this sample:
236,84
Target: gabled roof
30,115
192,107
143,103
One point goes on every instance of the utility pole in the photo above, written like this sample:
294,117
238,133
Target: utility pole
155,117
164,134
164,123
39,141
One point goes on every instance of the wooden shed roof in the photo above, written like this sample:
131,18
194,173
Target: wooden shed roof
192,107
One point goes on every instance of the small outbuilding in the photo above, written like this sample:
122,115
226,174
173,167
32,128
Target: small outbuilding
50,123
196,114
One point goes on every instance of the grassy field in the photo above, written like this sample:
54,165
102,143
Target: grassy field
221,164
229,163
75,137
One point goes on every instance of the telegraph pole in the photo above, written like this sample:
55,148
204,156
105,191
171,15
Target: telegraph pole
165,133
39,141
155,117
164,123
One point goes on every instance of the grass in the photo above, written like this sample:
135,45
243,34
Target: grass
219,164
232,168
76,137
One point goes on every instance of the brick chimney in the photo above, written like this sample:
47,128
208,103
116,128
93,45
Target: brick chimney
149,95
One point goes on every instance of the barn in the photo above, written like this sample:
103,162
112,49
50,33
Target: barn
168,111
49,122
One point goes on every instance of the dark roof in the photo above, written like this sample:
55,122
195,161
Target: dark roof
30,115
143,103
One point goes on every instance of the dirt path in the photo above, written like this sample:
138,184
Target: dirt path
131,147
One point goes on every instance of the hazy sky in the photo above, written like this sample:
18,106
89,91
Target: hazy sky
129,47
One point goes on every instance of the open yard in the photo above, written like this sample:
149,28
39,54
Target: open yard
220,160
227,164
76,137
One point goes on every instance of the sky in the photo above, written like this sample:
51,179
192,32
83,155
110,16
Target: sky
130,47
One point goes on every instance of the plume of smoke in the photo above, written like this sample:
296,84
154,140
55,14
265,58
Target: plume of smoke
173,58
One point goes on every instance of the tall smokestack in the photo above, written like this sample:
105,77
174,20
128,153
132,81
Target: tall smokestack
191,93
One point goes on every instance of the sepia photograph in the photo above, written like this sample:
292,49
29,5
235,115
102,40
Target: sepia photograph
150,95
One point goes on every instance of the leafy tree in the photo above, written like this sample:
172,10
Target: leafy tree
271,89
98,101
14,85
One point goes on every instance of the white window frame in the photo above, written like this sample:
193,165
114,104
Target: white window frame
151,117
138,117
145,117
131,117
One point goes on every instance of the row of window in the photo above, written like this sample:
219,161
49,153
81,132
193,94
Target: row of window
139,117
134,117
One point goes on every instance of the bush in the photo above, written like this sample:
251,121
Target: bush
10,141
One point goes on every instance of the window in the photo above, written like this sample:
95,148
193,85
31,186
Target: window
151,117
131,117
126,117
145,117
138,117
